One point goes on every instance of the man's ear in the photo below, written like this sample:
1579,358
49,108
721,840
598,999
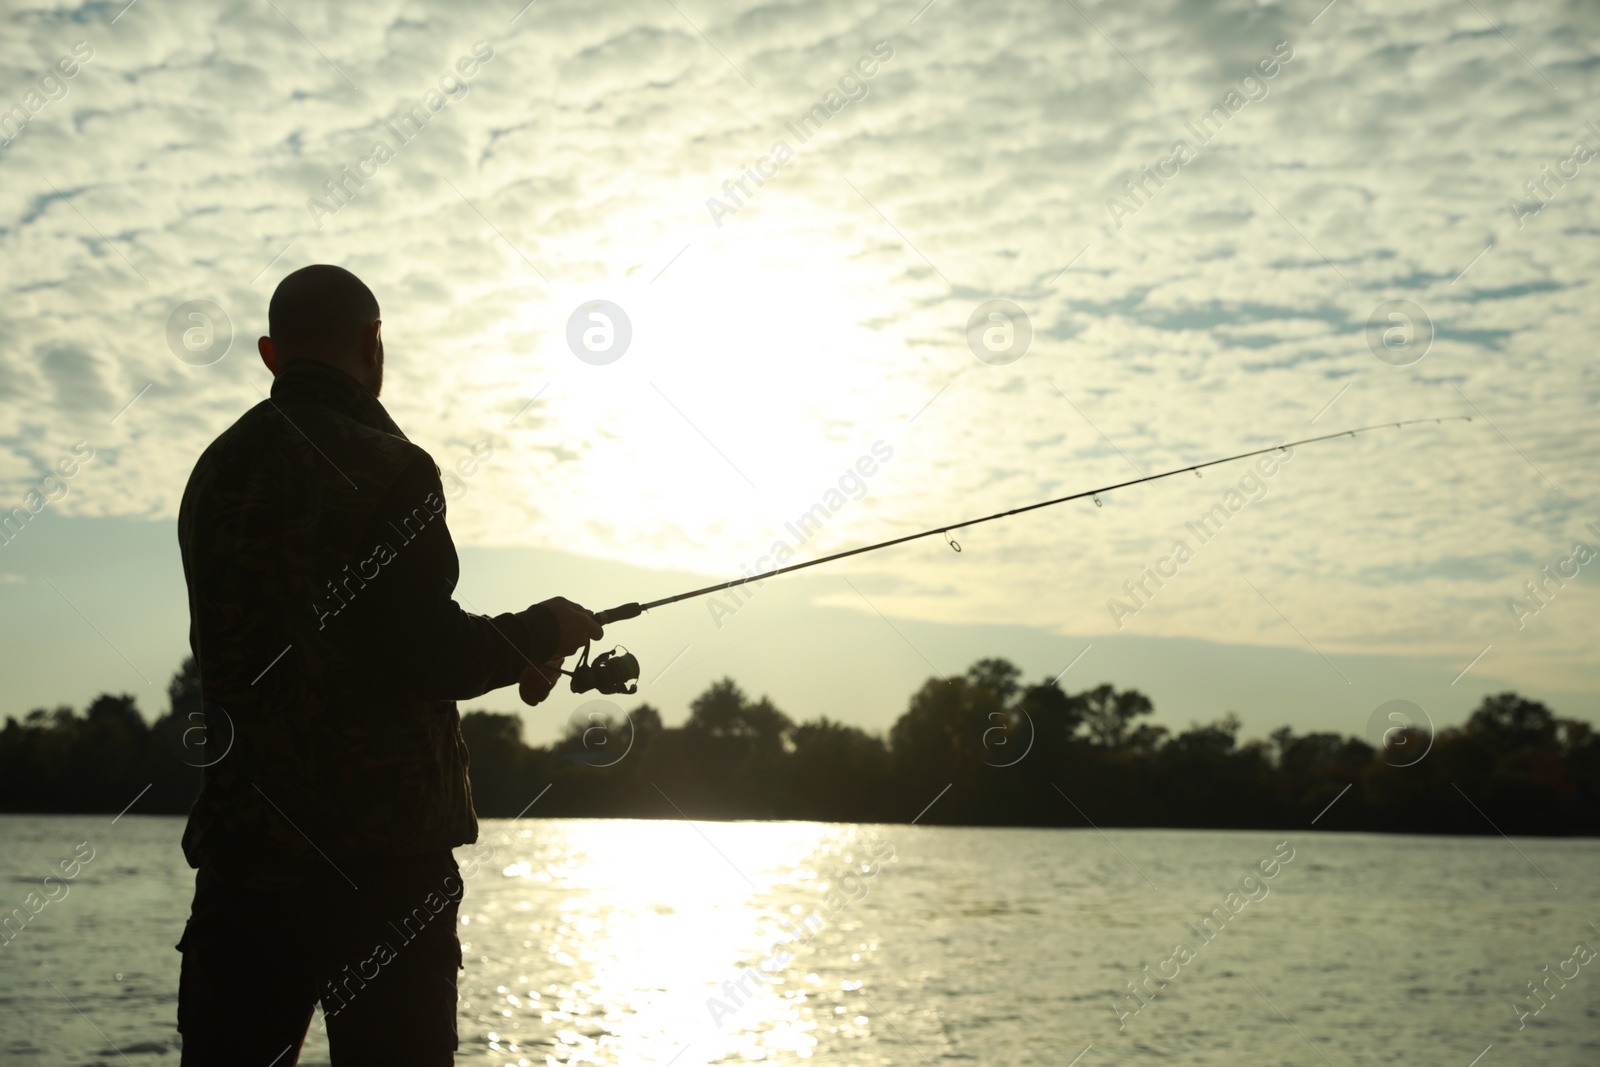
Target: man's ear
268,356
372,345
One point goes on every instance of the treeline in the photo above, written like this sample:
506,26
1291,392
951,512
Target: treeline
982,748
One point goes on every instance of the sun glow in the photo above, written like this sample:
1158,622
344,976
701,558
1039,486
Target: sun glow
755,367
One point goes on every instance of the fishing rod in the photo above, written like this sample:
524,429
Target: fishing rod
610,669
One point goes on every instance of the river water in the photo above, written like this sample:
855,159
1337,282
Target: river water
623,942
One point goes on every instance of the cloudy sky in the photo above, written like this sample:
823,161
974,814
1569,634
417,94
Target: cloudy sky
1217,227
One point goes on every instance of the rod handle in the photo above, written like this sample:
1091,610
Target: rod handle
618,613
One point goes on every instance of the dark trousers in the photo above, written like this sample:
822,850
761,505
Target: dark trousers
380,956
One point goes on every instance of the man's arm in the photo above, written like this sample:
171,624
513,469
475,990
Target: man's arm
404,624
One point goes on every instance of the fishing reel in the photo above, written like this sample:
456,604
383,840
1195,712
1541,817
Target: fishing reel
611,672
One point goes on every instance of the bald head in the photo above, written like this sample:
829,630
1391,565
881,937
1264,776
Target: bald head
325,313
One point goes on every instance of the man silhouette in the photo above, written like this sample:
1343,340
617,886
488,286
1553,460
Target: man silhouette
320,575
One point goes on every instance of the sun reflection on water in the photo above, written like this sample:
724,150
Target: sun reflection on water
637,941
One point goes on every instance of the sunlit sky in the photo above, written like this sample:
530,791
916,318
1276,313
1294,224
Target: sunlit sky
781,330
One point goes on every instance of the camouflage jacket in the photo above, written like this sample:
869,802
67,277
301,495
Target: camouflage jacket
331,652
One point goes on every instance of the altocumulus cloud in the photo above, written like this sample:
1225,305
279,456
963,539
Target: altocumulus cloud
1231,311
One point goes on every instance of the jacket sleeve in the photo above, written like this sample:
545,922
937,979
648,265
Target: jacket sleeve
404,625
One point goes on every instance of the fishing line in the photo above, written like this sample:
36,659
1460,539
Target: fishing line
633,610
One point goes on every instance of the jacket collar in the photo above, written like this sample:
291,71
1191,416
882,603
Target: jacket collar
308,381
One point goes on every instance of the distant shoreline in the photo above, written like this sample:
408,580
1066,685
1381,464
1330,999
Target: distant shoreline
483,819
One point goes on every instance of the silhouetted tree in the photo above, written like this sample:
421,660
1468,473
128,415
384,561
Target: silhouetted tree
496,758
835,773
998,676
646,723
941,736
1508,723
723,711
990,749
1108,715
1056,715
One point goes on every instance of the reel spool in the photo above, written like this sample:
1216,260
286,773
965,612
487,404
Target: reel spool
611,672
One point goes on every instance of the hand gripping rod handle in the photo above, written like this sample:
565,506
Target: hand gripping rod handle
618,613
